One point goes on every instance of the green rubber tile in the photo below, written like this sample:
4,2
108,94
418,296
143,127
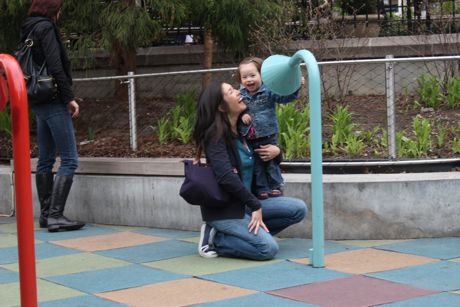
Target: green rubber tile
8,240
191,240
11,240
455,260
70,264
8,228
196,265
455,292
368,243
46,291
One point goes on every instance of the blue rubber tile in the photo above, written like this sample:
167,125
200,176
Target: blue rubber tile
440,248
152,252
259,299
7,220
299,248
88,230
275,276
114,278
42,251
442,276
7,277
440,299
167,233
81,301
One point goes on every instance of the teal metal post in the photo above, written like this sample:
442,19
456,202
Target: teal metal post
316,154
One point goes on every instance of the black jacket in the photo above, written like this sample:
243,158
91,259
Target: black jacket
48,46
224,161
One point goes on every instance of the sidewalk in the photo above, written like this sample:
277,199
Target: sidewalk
126,266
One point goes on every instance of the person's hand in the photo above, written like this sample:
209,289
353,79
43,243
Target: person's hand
246,118
257,222
74,108
268,152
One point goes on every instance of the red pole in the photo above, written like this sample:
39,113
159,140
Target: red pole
10,69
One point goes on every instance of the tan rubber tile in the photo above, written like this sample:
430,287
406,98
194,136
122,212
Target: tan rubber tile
184,292
370,260
107,242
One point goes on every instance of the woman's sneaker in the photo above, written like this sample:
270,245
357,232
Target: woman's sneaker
203,246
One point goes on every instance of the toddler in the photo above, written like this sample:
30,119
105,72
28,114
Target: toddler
259,125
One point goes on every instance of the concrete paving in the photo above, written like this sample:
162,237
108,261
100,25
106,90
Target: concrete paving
104,265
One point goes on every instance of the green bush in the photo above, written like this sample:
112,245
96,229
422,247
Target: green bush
5,121
429,91
178,123
294,126
453,92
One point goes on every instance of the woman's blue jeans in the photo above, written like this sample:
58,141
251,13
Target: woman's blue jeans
233,239
55,134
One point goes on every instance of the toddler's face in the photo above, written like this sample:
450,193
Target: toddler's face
250,77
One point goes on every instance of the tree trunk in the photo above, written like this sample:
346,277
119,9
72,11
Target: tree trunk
207,57
124,60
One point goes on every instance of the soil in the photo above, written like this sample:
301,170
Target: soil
102,129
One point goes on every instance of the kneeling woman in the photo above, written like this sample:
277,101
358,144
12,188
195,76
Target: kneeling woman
245,227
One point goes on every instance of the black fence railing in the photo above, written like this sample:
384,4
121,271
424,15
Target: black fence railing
385,17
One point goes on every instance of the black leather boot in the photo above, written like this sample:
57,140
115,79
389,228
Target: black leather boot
44,183
56,220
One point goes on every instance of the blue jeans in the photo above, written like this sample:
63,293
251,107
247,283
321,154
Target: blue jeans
267,174
55,134
233,239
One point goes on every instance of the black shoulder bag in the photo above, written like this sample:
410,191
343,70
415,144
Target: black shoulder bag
41,87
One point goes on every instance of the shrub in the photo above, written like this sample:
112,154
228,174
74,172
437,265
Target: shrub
5,121
453,93
429,91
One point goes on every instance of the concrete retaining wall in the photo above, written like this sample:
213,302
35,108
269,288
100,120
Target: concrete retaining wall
370,206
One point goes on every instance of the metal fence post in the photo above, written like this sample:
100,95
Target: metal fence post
132,111
390,95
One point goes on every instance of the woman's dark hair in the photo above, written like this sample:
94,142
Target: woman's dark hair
257,62
46,8
211,123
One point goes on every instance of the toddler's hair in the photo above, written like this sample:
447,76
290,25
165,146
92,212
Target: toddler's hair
257,61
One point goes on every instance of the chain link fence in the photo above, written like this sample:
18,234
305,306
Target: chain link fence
384,84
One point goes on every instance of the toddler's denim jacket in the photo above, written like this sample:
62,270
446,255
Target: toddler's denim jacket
262,109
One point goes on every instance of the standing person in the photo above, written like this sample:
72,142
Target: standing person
244,228
260,126
55,130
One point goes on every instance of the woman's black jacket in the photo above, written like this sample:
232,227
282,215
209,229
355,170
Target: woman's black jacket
48,46
225,162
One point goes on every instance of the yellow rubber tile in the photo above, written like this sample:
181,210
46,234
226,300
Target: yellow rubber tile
184,292
369,260
106,242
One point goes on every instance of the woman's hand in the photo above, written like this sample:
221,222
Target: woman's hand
268,152
74,108
257,222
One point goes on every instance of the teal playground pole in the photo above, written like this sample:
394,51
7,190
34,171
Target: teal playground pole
282,75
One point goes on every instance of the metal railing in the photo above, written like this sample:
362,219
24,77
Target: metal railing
379,81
